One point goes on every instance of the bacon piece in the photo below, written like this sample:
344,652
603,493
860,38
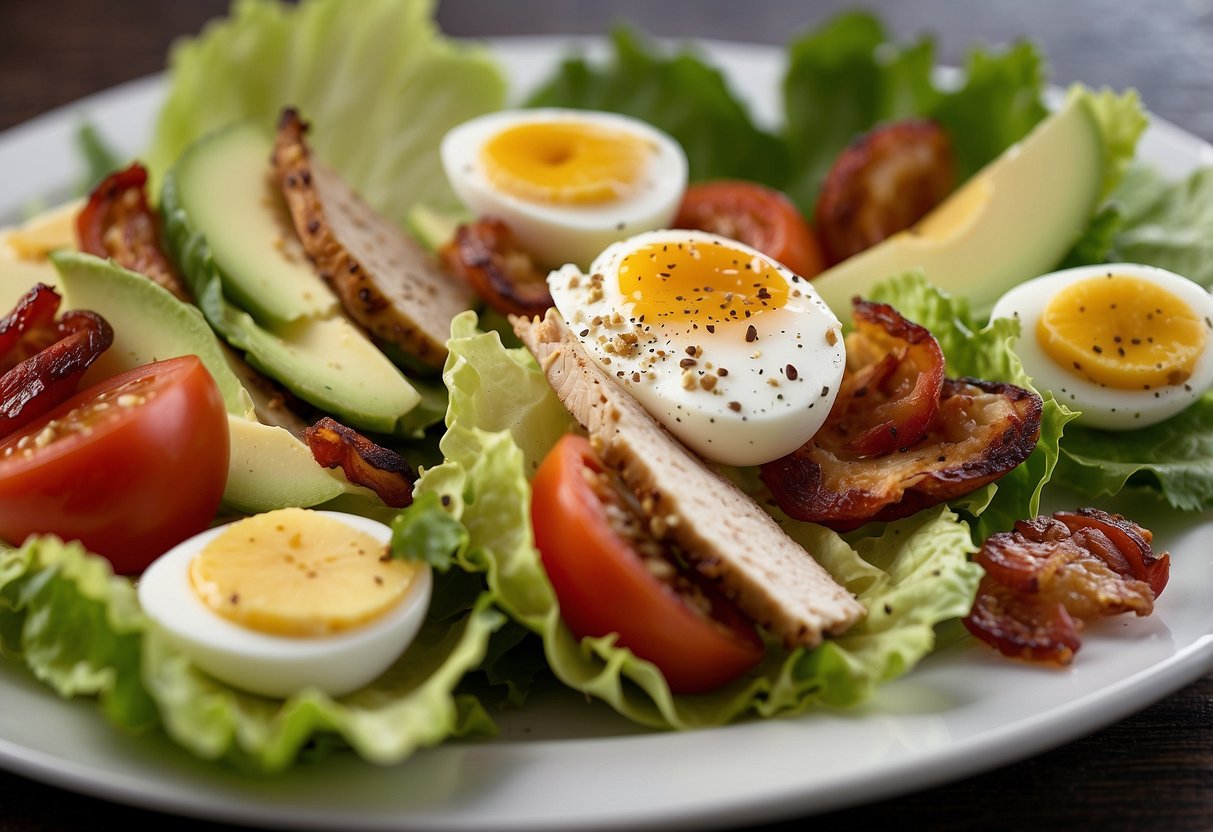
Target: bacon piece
364,463
891,392
487,256
900,437
1132,545
886,181
58,354
117,222
983,429
1050,574
30,327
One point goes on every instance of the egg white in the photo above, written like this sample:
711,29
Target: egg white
271,665
553,233
775,414
1105,407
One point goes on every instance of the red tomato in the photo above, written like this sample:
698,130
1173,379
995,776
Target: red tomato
758,216
129,467
604,587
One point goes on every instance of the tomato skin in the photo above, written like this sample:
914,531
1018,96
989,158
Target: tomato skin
146,476
603,586
753,214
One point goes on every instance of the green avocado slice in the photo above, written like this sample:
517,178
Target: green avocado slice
314,351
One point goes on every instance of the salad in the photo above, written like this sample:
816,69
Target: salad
470,518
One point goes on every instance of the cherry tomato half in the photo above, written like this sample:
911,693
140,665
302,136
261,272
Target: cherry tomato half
758,216
604,587
129,467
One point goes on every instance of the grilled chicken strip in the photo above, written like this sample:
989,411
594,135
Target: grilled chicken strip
724,533
385,280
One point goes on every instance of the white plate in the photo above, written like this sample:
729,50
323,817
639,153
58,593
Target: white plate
561,762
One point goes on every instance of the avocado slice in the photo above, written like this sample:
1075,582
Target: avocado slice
270,468
318,354
225,188
1013,220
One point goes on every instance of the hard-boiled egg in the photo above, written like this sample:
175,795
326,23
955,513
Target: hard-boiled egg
1126,344
290,599
737,356
566,182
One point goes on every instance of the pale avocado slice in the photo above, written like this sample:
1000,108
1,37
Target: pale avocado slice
224,186
323,358
269,468
1014,220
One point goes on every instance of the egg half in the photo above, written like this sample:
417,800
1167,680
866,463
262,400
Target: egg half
566,182
733,353
287,600
1126,344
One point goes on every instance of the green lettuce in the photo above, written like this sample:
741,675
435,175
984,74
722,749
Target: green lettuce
682,95
985,352
1172,459
376,80
1167,224
80,630
910,578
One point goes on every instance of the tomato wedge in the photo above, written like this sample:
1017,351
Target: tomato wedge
129,467
697,638
758,216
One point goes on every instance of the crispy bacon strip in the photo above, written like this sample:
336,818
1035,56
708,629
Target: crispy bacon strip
900,436
30,327
891,392
1050,574
886,181
382,470
61,351
487,256
118,223
983,429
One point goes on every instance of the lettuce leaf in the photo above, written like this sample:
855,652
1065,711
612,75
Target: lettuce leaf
1173,459
1167,224
381,78
80,630
682,95
910,578
76,626
985,353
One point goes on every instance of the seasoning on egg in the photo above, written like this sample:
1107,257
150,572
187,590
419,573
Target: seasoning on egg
1127,345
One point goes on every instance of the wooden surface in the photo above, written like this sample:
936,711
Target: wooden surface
1151,771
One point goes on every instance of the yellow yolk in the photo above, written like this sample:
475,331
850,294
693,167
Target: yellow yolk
294,572
706,283
566,163
1122,332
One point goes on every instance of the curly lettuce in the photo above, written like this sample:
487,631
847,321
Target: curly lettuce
913,576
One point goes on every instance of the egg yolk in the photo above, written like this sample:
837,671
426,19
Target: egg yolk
708,283
567,163
293,572
1122,332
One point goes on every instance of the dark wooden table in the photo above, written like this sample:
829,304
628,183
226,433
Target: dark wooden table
1150,771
